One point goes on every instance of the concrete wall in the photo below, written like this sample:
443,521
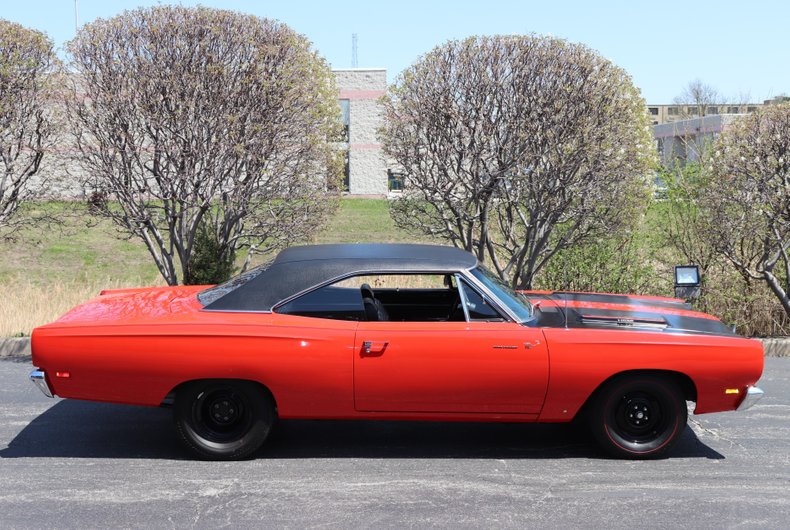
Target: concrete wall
367,167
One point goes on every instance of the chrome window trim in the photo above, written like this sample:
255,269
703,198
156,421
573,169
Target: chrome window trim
462,296
397,272
497,303
487,298
258,311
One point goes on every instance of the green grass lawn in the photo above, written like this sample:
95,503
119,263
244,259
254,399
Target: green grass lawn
363,221
89,250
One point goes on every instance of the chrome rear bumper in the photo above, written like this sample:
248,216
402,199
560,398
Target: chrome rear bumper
39,379
753,395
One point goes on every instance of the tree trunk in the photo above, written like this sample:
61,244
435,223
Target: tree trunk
781,294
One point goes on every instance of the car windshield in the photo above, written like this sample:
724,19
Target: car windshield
516,302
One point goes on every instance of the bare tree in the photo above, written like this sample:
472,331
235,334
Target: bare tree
749,198
26,121
196,119
514,147
698,95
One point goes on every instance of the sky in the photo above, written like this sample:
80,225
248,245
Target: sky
742,49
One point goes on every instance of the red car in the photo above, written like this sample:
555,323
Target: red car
396,332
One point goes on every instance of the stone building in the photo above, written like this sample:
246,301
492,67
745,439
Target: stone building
661,114
359,91
684,140
682,137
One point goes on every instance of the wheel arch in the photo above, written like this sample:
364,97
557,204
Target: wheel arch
170,398
686,384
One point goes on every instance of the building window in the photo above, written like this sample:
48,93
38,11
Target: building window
712,110
346,172
692,111
345,118
672,111
395,180
733,110
653,111
751,109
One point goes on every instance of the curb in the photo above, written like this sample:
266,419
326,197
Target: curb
16,347
776,347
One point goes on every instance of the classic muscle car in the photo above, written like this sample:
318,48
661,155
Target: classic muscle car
396,332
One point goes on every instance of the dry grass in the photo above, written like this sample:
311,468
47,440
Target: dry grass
45,271
26,304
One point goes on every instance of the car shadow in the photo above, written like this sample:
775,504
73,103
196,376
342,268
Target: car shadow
80,429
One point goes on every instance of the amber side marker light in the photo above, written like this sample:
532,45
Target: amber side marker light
64,375
732,391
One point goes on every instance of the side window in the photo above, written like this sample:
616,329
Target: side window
477,308
405,297
394,298
332,302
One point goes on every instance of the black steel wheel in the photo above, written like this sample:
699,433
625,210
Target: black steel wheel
223,420
639,416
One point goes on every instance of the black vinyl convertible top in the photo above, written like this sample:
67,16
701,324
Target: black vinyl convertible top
299,269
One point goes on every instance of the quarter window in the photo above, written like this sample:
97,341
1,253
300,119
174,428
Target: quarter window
332,302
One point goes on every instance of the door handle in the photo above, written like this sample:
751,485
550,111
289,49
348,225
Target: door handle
530,345
373,347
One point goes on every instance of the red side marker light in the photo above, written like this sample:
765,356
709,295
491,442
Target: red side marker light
64,375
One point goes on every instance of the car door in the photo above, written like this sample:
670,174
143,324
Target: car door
456,367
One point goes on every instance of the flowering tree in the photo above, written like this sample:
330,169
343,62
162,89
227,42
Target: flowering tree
203,121
515,147
26,121
748,200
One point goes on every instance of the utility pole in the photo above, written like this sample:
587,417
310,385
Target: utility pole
354,62
76,18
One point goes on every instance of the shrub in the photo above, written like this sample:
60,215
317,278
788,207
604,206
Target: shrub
210,263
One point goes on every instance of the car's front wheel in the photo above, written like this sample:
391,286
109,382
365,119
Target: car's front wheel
223,420
641,416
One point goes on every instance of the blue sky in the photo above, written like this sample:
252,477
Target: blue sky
737,47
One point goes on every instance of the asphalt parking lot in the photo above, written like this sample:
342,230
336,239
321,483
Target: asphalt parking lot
70,464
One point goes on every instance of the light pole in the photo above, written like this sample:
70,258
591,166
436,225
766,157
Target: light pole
76,18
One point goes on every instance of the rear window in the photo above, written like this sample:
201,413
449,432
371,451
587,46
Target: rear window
213,294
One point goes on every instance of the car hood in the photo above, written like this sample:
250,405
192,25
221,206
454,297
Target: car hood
129,305
620,311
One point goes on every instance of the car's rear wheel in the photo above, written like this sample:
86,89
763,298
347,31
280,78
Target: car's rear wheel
639,416
223,420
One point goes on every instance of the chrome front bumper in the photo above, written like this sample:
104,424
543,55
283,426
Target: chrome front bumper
753,395
39,379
